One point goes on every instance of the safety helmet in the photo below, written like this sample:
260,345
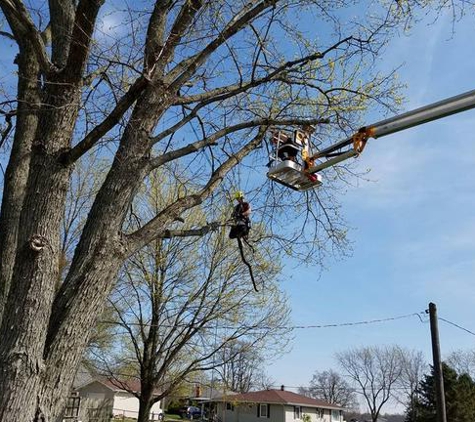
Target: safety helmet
238,194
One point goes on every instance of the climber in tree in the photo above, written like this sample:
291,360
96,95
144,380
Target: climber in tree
241,213
240,229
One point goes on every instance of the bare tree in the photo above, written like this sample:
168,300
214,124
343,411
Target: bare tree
191,84
331,387
241,367
375,371
462,361
182,308
414,367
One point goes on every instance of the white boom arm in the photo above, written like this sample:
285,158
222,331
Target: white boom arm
353,146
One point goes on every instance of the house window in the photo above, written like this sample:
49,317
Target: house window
263,410
297,412
229,406
335,416
319,413
72,407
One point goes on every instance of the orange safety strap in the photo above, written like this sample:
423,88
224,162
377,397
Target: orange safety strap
361,137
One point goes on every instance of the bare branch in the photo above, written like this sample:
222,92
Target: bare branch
9,125
181,24
107,124
8,35
231,90
81,38
24,31
186,69
211,139
154,227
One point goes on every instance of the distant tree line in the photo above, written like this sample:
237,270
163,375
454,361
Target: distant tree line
459,398
379,375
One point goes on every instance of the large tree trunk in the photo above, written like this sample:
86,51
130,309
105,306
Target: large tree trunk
30,388
38,360
145,407
37,380
100,253
16,174
36,264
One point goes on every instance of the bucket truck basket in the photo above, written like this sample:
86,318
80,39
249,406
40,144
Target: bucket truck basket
291,174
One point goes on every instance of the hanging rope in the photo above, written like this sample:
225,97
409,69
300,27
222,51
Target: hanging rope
241,249
248,244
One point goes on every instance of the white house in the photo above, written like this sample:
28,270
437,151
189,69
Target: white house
99,399
276,406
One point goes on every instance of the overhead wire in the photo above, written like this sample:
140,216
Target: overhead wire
296,327
457,326
370,321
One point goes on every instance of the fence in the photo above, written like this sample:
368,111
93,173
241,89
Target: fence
123,415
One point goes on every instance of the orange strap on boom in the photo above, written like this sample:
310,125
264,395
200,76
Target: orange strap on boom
361,137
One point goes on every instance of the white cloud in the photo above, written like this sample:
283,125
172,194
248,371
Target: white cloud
112,25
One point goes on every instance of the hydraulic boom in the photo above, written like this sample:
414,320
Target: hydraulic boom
355,144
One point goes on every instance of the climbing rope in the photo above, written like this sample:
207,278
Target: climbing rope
241,249
215,225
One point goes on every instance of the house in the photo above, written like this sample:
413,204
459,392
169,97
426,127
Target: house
206,398
276,406
99,399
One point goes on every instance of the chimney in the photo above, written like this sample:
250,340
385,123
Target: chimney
282,387
197,391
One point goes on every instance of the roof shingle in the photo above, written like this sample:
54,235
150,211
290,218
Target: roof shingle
282,397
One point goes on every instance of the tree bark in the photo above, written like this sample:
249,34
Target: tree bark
36,264
28,384
16,174
144,407
98,256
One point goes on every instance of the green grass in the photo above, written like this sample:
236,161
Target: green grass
172,417
167,419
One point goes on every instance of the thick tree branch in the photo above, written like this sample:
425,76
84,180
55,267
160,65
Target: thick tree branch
155,227
81,38
155,35
24,31
169,234
239,88
235,89
187,68
211,140
62,15
181,24
91,139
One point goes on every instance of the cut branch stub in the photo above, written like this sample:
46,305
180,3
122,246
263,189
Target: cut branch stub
38,242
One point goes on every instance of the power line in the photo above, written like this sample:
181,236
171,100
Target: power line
370,321
456,325
292,327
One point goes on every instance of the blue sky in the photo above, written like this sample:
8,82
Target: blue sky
413,222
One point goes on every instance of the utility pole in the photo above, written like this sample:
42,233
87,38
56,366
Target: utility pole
438,374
